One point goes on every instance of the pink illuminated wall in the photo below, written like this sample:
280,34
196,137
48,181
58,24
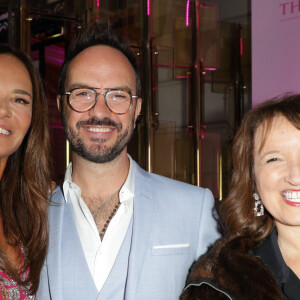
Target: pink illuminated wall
275,48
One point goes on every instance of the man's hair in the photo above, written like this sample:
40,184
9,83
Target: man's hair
99,34
25,185
237,211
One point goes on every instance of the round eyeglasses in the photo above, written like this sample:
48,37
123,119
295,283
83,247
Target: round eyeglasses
83,99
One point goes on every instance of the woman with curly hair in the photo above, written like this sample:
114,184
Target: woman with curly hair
259,257
24,176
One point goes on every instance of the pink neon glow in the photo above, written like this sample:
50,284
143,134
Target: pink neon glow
187,13
241,46
148,7
210,69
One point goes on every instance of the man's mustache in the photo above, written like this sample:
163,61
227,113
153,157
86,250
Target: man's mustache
101,122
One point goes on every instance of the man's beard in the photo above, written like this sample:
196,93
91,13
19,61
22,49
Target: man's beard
97,152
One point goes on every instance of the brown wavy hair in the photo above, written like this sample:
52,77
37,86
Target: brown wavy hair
237,210
25,186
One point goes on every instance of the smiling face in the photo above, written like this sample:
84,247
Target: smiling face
277,170
15,105
100,135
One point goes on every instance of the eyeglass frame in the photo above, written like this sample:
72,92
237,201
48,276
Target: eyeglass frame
68,93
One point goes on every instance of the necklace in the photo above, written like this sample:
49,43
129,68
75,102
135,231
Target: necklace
102,233
104,204
9,287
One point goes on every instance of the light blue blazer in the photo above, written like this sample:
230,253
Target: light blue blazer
173,225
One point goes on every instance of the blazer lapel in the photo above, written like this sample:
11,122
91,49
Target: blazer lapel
67,262
74,265
54,252
142,222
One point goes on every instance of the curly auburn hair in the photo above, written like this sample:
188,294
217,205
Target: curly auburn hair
237,210
25,186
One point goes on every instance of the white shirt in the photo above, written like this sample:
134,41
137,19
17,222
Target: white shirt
100,256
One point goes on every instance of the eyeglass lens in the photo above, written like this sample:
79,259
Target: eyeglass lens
117,101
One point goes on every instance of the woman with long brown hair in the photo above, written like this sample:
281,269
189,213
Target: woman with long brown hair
259,257
24,176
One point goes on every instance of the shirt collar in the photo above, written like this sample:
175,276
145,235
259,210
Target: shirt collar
126,192
69,184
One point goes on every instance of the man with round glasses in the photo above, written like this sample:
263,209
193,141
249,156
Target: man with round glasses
116,231
82,99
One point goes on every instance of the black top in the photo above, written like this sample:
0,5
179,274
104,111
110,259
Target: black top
270,254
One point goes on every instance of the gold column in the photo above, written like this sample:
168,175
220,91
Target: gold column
67,153
196,91
146,19
25,30
220,175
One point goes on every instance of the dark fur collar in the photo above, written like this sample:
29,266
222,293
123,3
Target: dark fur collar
230,267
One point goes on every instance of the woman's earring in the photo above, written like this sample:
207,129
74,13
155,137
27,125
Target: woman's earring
258,206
